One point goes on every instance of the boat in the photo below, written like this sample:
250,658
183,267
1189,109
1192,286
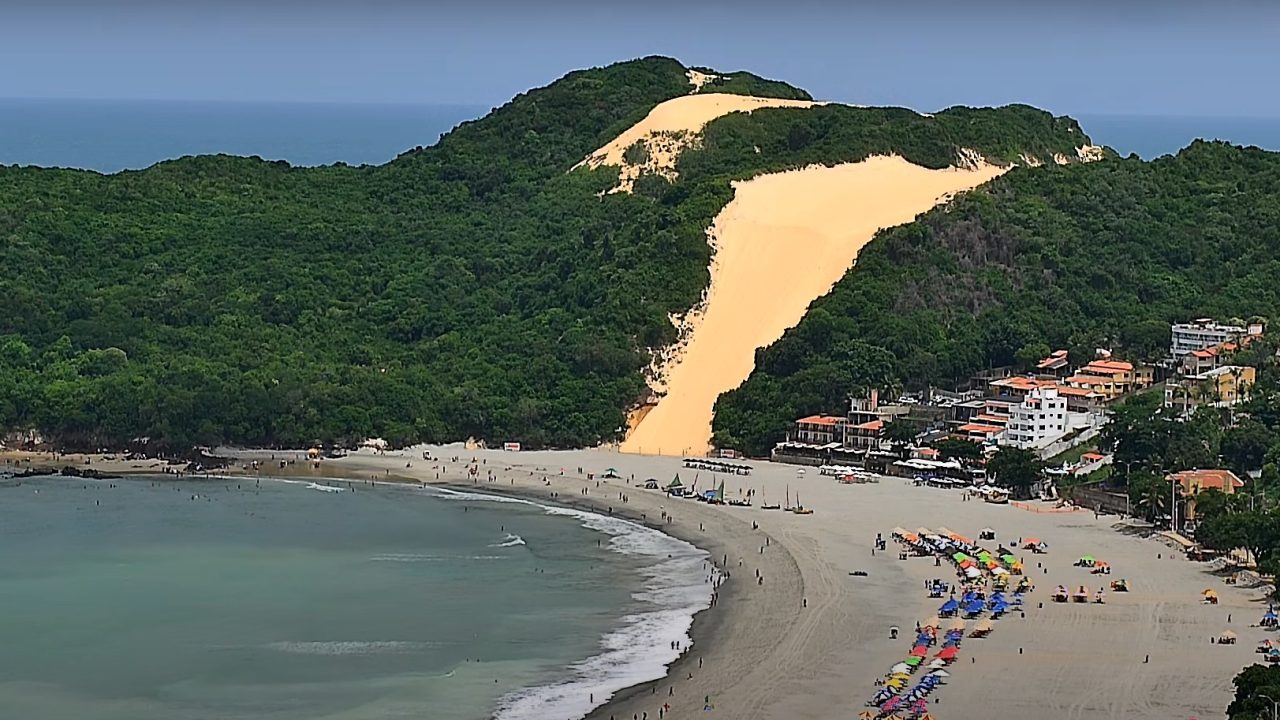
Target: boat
800,509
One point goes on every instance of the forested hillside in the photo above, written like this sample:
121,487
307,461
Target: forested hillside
476,288
1078,256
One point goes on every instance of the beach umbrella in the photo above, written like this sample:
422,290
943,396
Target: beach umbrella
999,571
949,606
949,653
866,715
920,651
940,674
932,622
1087,559
914,660
1009,559
959,557
900,668
938,664
957,624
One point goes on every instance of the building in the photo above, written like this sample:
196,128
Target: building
864,436
1038,421
1111,378
1203,333
1224,386
1056,365
978,432
1194,482
1017,387
819,430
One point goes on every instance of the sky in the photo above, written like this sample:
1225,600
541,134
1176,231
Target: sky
1176,57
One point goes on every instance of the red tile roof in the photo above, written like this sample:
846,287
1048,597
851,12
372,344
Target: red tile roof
820,420
1200,480
979,428
873,425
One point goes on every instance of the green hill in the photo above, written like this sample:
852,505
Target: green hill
1080,256
475,288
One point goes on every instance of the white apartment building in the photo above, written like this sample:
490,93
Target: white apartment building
1201,334
1040,419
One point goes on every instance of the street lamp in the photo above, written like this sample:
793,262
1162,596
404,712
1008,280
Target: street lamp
1275,706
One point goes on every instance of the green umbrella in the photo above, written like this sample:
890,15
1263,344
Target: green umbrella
676,483
913,660
984,556
959,557
1087,559
1008,559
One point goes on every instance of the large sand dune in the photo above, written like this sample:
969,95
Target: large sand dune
783,241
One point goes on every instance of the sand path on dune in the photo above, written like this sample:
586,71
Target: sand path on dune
783,241
671,127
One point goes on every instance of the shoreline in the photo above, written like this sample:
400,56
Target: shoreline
809,642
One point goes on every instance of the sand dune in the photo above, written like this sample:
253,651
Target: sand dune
670,128
783,241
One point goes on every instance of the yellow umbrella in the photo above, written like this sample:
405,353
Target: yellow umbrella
957,624
932,622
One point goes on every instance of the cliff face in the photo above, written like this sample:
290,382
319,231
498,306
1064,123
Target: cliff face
481,287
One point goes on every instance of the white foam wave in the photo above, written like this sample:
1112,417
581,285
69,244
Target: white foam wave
349,647
511,540
640,649
410,557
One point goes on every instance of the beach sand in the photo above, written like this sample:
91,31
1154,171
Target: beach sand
810,641
782,242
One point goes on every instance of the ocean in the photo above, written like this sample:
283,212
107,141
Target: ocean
113,135
1151,136
146,599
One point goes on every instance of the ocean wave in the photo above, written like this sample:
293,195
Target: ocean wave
411,557
511,540
674,589
350,647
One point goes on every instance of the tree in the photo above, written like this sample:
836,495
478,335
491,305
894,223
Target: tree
900,433
1244,447
1015,469
953,449
1252,684
1149,495
1028,355
1256,531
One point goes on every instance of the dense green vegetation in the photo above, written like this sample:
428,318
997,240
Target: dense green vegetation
1077,256
745,83
473,288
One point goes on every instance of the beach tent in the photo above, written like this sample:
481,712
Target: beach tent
675,483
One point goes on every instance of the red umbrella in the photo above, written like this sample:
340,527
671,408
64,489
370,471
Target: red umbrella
921,651
948,653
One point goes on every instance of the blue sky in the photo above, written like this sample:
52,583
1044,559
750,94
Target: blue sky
1082,56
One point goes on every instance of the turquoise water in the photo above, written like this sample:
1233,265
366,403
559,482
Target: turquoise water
113,135
172,600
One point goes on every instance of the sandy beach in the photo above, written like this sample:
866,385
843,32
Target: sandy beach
809,642
783,241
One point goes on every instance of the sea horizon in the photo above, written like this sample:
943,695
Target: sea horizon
111,135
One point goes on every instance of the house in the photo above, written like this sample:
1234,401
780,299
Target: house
1111,378
1194,482
977,432
864,436
1204,333
1038,421
819,430
1081,399
1056,365
1016,387
1224,386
